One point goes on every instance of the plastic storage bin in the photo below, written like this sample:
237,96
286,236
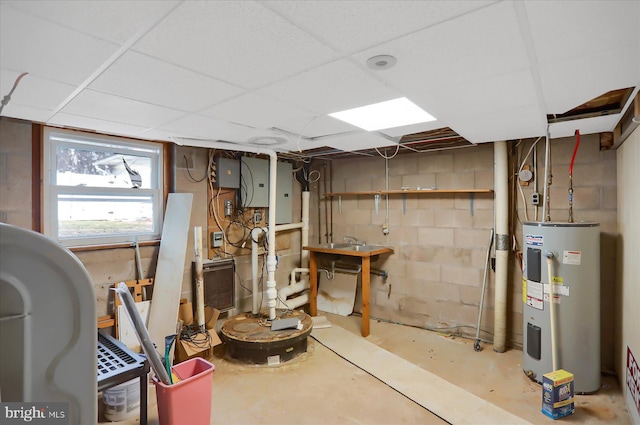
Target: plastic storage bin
188,401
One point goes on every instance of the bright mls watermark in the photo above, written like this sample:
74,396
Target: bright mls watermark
34,413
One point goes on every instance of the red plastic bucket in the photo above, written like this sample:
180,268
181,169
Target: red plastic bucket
188,401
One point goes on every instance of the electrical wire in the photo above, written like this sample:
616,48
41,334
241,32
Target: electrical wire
302,132
389,157
5,100
524,199
186,164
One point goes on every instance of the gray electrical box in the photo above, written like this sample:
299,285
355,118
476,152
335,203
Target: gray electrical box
227,172
284,195
254,187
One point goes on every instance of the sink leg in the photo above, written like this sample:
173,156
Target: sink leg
366,286
313,284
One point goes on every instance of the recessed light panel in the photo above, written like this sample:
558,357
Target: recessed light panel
389,114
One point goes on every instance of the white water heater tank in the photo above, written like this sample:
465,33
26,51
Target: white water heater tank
576,275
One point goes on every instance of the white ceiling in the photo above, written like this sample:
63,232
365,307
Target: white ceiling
272,70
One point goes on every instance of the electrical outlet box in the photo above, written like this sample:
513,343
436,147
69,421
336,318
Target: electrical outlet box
535,198
257,216
216,239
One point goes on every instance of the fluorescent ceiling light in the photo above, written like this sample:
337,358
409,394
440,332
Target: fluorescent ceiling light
389,114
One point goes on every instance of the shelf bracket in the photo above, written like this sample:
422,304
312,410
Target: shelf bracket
404,203
471,198
340,204
376,201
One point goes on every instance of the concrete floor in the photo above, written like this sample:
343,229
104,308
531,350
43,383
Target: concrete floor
320,387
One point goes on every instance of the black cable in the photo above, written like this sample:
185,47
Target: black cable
186,164
193,334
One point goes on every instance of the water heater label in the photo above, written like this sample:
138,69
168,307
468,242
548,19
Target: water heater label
572,257
534,295
535,240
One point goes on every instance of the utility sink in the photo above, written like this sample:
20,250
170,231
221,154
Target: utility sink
334,245
348,247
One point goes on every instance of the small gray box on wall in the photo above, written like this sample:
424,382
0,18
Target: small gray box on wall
227,173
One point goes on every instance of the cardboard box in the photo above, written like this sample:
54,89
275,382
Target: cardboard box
200,344
557,394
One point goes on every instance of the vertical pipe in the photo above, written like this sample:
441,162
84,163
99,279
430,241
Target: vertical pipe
331,201
552,314
197,241
304,254
255,234
546,207
535,178
272,293
501,179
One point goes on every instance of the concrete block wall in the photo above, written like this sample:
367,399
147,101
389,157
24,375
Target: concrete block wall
436,270
439,240
15,173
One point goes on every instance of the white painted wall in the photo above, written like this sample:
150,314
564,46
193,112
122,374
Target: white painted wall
628,265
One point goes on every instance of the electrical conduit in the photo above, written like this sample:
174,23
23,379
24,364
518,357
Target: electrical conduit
502,244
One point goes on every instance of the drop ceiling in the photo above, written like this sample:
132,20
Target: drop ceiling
269,72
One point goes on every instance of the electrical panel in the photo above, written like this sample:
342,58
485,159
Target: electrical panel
254,182
227,173
254,187
284,195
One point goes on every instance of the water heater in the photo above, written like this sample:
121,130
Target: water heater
575,252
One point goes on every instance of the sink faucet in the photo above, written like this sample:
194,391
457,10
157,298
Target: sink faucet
353,240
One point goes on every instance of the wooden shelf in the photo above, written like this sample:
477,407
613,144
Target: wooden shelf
403,192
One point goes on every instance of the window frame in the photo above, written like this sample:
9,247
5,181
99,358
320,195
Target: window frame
56,137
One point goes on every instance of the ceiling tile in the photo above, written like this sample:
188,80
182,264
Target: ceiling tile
51,51
97,18
498,93
474,47
331,88
566,29
28,113
356,141
398,132
104,106
150,80
321,125
516,123
567,84
201,127
256,110
350,26
76,121
242,43
586,126
34,91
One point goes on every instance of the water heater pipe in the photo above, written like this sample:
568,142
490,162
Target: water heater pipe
502,244
573,158
552,314
546,204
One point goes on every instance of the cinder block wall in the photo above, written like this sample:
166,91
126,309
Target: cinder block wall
15,172
440,240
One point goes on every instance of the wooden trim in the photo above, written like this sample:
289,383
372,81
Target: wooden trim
168,171
402,192
106,322
111,246
37,131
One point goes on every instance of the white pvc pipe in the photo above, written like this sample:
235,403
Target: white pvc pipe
552,314
197,240
298,301
255,234
272,294
501,178
546,215
271,233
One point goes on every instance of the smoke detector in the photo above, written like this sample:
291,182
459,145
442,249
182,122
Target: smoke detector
381,62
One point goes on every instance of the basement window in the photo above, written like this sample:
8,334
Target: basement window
101,189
